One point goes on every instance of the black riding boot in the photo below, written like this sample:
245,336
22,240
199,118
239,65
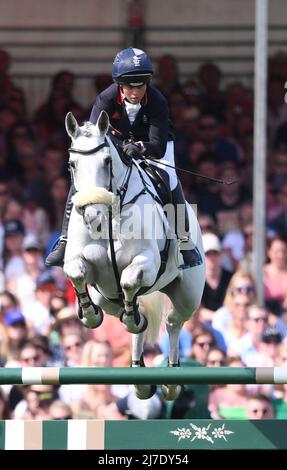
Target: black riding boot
56,257
190,253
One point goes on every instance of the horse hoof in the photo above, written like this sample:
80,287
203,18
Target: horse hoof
143,392
128,321
93,318
170,392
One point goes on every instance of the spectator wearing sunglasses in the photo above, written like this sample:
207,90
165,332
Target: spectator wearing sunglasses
72,345
251,347
28,357
202,341
241,289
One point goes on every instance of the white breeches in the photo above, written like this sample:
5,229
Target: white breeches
169,159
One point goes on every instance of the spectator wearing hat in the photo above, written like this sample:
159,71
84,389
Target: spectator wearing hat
14,316
13,262
38,311
217,278
66,322
23,284
17,332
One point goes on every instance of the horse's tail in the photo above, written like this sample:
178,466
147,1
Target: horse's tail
152,305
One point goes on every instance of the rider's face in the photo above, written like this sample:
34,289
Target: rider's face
134,94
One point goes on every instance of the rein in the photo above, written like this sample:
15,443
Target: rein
209,178
112,245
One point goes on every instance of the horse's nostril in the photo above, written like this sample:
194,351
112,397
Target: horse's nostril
99,228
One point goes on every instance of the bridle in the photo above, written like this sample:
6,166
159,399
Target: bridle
89,152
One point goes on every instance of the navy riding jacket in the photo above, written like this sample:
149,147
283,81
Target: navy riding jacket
151,126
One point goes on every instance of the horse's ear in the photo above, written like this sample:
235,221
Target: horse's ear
71,125
103,122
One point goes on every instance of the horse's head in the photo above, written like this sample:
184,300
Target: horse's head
93,160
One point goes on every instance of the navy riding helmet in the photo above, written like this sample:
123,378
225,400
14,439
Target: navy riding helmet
132,67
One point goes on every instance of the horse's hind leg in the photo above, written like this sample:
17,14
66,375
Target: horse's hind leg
185,295
142,391
174,324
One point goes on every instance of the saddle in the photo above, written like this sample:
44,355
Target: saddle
160,181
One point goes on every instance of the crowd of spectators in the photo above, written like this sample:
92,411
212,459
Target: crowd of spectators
213,127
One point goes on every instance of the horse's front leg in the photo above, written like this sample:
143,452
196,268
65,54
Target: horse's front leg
90,314
141,272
